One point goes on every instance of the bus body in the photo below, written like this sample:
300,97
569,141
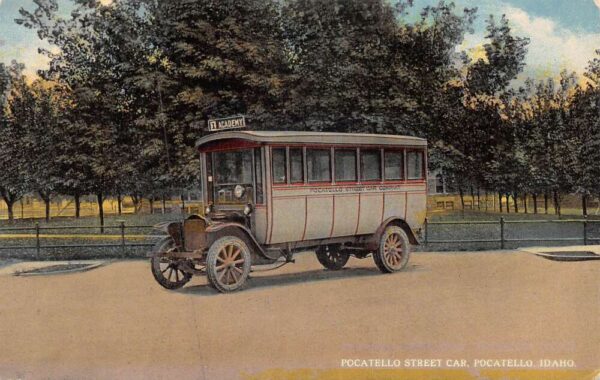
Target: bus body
277,193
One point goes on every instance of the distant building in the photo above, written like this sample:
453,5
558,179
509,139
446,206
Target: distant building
438,184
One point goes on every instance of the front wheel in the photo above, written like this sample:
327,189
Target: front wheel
331,257
228,264
167,272
394,250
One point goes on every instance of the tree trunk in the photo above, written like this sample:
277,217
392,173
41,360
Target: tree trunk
47,203
11,214
137,202
164,204
535,210
77,206
500,201
182,204
151,200
545,202
46,198
101,211
120,203
556,203
486,200
462,200
516,202
584,204
472,199
478,199
525,203
507,203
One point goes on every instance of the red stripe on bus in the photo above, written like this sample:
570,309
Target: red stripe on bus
358,219
296,186
332,217
305,217
383,208
348,195
271,201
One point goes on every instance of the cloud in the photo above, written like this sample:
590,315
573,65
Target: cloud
551,46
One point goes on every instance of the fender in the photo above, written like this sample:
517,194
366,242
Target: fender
373,241
218,230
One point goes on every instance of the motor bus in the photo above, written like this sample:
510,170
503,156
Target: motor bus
270,195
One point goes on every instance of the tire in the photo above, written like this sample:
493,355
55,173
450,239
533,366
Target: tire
228,264
166,271
393,252
331,257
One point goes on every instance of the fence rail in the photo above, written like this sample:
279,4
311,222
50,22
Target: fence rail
503,240
123,243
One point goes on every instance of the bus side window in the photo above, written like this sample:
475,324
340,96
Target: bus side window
319,165
394,165
414,164
296,165
345,165
279,165
370,165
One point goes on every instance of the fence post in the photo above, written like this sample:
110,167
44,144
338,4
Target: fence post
37,239
585,223
426,231
501,232
122,226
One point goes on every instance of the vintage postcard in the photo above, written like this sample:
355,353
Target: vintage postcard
299,189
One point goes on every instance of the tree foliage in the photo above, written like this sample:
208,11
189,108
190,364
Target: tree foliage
131,85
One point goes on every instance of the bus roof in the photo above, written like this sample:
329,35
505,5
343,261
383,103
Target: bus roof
330,138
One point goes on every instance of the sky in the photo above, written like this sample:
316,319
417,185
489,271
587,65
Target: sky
564,33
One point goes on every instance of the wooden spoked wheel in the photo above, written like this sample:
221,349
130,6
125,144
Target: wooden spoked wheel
394,250
228,264
331,257
168,272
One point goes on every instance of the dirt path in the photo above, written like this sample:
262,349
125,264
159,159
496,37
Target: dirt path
116,321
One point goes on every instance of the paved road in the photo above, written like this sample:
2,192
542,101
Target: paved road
116,322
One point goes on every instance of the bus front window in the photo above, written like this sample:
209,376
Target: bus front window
233,170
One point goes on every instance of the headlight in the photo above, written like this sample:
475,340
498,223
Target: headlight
248,209
208,209
239,191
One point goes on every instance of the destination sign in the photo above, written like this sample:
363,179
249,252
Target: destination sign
235,122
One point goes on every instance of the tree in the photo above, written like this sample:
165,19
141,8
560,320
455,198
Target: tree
17,109
88,66
585,125
473,128
40,139
208,59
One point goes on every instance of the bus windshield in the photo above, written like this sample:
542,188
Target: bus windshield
231,169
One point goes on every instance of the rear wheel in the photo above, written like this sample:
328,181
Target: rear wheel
168,272
228,264
331,257
394,250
